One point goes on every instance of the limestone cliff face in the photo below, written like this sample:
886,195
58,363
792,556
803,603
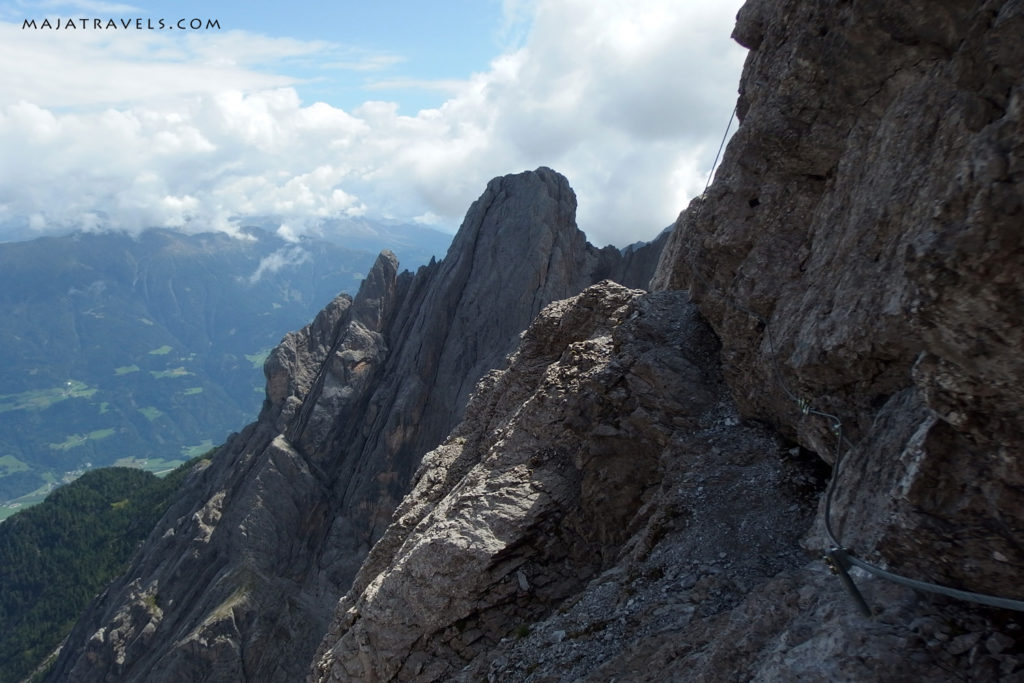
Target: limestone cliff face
239,580
869,209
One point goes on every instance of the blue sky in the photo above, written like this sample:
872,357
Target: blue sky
373,44
390,110
401,51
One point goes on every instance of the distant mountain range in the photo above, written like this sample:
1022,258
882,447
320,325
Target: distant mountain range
146,350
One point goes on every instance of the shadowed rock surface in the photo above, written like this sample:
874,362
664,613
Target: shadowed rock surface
869,209
628,499
860,251
239,580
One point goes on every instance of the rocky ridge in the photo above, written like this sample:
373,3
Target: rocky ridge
858,255
604,513
630,498
611,436
239,579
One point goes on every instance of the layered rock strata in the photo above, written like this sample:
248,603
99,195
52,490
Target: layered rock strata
239,579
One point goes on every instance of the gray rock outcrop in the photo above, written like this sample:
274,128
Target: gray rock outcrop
859,255
603,513
570,467
631,495
239,580
868,209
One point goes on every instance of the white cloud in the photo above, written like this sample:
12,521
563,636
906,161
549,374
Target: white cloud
283,257
367,62
628,99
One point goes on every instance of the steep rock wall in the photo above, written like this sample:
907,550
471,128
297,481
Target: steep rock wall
869,209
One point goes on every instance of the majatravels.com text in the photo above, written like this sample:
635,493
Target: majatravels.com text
138,24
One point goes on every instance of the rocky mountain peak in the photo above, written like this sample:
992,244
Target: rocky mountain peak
243,572
858,259
375,297
630,495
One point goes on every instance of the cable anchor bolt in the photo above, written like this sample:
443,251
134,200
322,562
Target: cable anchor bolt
838,561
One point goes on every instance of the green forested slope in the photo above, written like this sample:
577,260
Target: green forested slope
56,556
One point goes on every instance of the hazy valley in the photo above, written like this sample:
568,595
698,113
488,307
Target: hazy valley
148,350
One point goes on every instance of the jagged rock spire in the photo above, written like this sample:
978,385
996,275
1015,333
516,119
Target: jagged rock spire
240,578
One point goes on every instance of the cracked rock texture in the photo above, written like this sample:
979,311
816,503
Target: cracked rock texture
603,513
609,437
239,580
859,255
869,210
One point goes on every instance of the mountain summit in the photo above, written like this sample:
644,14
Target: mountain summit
242,575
